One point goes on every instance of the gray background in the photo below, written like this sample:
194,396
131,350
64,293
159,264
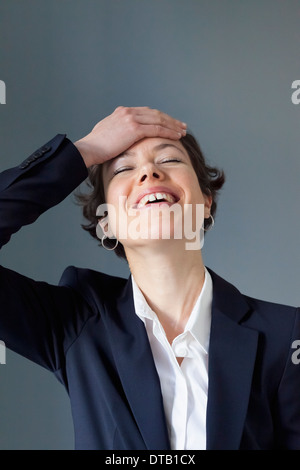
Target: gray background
223,66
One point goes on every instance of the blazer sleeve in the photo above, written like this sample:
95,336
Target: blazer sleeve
35,316
43,180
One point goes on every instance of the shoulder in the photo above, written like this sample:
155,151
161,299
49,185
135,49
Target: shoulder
225,290
270,307
269,316
253,312
92,284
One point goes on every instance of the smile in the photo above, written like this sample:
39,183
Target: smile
155,198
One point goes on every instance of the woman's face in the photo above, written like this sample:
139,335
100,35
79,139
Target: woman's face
153,193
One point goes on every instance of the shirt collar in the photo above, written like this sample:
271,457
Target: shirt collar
199,321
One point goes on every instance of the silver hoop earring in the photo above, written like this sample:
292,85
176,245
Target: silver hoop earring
211,225
108,248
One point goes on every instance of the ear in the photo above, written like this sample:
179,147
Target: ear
104,224
207,205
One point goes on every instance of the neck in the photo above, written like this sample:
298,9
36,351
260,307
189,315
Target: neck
171,281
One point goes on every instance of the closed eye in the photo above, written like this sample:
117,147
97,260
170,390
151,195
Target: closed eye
171,160
121,170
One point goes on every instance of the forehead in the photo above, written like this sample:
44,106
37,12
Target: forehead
154,144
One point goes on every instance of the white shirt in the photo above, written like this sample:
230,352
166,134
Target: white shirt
184,387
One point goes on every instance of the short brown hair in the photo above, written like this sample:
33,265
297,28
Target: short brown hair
211,180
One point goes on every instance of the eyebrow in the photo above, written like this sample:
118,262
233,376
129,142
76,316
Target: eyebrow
157,148
108,163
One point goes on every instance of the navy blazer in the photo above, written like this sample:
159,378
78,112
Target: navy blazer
86,332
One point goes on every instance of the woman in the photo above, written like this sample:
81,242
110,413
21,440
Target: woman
174,357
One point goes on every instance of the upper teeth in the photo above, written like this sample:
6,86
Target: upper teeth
155,196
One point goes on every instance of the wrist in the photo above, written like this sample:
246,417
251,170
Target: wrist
85,152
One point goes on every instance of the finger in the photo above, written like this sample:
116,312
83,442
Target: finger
162,121
146,115
160,131
154,116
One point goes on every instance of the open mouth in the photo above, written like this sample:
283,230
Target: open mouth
156,198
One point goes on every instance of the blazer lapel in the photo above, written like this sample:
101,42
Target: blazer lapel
137,370
232,354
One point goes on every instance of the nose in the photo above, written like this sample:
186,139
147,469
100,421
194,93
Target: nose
145,176
149,172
